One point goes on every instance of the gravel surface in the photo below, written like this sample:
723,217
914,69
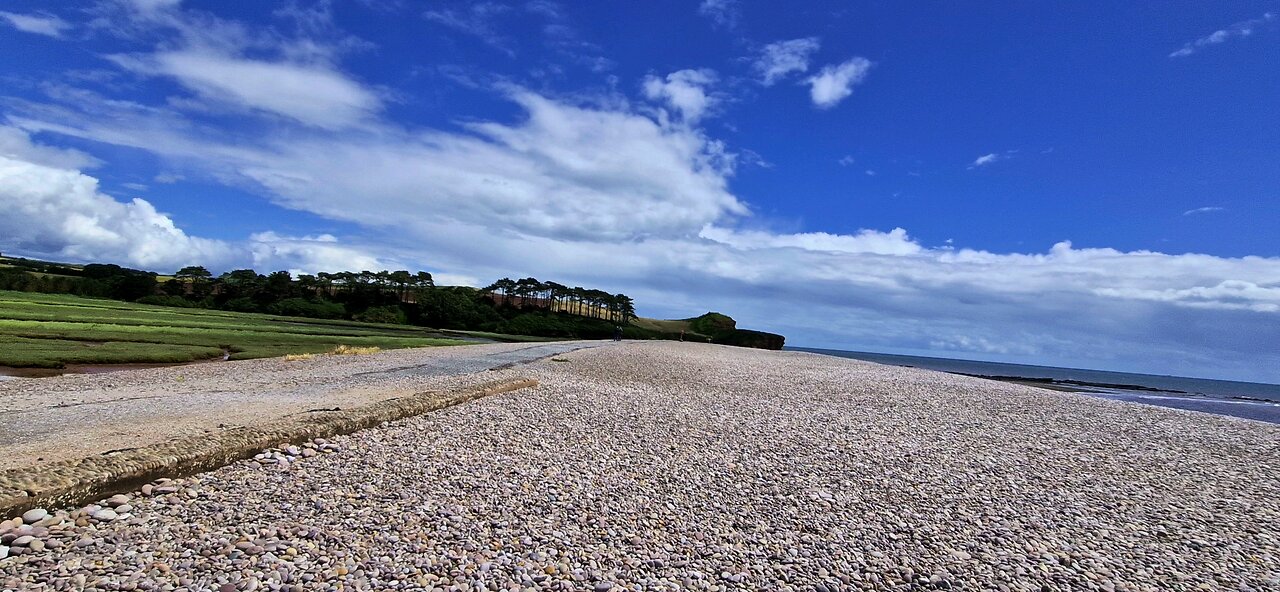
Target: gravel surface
695,467
77,415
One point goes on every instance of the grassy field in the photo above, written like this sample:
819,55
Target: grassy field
671,327
51,330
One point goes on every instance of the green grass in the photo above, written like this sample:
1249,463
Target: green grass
50,330
669,327
660,325
22,352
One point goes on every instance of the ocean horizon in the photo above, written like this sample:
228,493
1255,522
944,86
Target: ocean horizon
1249,400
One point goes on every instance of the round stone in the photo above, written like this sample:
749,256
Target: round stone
118,500
34,516
105,515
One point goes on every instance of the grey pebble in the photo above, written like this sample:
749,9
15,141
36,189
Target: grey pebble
35,515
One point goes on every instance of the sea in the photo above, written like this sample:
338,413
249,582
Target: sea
1249,400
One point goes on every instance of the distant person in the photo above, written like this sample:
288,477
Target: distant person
682,335
617,333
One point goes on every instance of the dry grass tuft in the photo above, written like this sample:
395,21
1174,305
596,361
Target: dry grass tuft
348,350
298,357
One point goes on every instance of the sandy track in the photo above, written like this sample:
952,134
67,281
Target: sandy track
78,415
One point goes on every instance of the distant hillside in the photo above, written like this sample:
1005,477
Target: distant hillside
524,307
712,327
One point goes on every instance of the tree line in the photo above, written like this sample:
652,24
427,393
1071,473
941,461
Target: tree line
533,293
525,307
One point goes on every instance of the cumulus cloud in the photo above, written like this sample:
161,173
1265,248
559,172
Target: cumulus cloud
55,211
835,83
780,59
61,213
685,91
40,24
566,171
310,254
1234,31
573,172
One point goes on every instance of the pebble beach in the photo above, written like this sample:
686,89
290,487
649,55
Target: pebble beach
680,466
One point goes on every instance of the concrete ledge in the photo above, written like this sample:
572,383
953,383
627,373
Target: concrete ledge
74,482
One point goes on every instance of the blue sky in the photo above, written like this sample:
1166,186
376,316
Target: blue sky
1090,185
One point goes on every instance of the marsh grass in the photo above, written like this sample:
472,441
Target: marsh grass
48,331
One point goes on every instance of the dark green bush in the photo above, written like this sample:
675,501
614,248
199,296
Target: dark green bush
301,307
712,323
174,301
391,315
242,304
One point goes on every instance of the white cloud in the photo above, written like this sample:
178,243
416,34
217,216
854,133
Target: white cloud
567,171
60,212
54,211
39,24
1204,210
477,19
894,242
310,254
780,59
1234,31
986,159
1227,294
310,94
992,158
834,83
846,160
723,13
685,91
17,145
153,5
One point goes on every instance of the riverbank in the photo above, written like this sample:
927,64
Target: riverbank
665,466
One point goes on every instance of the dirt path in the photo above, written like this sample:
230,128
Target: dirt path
74,416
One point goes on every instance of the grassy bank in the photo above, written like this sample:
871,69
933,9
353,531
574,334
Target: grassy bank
48,331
